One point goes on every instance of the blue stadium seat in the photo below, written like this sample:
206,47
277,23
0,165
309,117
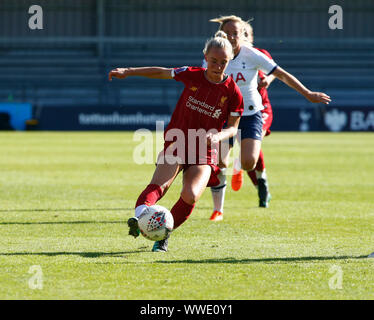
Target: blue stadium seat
75,74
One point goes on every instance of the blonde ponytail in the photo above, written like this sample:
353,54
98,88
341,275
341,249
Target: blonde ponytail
219,41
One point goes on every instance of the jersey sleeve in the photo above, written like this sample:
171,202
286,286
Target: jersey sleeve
183,74
236,102
263,62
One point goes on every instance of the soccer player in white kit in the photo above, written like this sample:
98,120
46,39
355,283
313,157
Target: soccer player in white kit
244,70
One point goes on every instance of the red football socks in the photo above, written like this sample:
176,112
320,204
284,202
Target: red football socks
181,211
260,166
252,176
150,195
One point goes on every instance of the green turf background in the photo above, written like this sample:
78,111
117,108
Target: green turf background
65,199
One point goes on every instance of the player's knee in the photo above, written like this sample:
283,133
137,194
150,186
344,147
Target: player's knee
189,196
249,163
164,189
223,165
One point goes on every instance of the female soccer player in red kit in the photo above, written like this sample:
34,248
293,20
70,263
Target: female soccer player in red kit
210,98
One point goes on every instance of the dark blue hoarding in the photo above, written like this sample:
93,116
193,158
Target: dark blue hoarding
324,118
77,118
85,118
347,119
295,119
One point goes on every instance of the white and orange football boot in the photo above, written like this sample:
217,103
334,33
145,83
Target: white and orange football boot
216,216
237,176
237,180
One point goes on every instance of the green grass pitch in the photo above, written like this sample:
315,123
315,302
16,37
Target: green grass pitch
65,199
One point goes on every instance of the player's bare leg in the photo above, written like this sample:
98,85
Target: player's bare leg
195,180
249,153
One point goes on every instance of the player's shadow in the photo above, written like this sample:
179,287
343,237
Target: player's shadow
262,260
66,210
60,222
63,211
81,254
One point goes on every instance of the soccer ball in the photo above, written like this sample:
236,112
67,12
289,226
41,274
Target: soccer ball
155,223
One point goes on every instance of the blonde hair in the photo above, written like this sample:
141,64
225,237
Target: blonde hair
248,32
222,20
219,41
246,27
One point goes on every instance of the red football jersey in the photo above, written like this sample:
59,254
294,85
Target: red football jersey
263,91
203,105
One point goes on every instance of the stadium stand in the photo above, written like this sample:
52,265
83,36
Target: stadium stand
67,62
74,75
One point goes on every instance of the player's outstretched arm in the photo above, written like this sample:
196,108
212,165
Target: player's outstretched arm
294,83
148,72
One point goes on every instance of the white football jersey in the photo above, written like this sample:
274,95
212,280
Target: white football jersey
244,70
